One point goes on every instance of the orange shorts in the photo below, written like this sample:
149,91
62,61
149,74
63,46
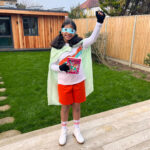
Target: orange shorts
69,94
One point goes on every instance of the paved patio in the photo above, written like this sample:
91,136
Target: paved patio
125,128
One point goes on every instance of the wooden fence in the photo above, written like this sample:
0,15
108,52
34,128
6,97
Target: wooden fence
128,37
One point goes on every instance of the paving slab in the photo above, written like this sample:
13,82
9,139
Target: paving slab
2,89
4,108
118,129
129,141
1,82
142,146
108,133
6,120
9,133
2,98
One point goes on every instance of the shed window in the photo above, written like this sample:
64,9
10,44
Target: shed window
30,25
4,26
5,32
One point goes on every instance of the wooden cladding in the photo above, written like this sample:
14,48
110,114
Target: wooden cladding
48,29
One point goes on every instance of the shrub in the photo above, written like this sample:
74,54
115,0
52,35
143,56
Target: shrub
147,60
99,48
76,12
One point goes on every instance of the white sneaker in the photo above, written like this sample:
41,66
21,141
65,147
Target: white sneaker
63,137
78,136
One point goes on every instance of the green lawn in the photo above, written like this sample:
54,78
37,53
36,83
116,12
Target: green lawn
25,77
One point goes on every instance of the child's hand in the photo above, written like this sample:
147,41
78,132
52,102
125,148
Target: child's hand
64,67
100,15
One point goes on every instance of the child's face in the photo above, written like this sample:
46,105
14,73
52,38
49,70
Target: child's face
67,36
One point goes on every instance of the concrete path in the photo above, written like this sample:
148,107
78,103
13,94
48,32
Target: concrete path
1,82
125,128
9,133
4,108
6,120
2,89
2,98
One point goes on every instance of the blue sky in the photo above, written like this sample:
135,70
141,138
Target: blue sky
48,4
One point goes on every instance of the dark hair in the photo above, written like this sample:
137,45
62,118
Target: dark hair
59,42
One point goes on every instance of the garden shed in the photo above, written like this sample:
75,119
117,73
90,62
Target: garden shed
29,29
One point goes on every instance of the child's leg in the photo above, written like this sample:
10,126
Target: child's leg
76,111
76,117
66,99
64,112
64,118
79,96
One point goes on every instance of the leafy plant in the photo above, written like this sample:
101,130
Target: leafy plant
76,12
147,60
125,7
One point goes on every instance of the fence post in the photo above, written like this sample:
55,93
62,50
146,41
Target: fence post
106,35
133,37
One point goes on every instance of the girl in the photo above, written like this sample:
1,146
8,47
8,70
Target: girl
67,89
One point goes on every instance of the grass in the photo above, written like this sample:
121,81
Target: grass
25,77
140,74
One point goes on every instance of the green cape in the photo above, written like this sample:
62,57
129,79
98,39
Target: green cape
52,91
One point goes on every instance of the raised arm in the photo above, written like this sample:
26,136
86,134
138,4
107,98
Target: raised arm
90,40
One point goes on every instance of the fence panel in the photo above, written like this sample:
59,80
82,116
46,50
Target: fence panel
120,36
142,39
81,26
119,33
92,23
86,25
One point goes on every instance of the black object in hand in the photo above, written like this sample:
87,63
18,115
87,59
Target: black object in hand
64,67
100,18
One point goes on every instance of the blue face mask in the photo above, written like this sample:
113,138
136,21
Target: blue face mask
68,30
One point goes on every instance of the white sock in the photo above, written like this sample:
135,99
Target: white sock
64,125
76,124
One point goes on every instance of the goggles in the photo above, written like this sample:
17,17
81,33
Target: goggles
68,30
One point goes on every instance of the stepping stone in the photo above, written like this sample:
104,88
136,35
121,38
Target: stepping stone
9,133
6,120
4,108
1,82
2,89
2,98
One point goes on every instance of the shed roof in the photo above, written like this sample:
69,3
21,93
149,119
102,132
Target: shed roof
89,4
33,12
10,1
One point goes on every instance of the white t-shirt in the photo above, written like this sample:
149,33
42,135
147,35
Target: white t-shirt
69,79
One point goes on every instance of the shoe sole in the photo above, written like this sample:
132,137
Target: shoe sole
62,144
77,140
